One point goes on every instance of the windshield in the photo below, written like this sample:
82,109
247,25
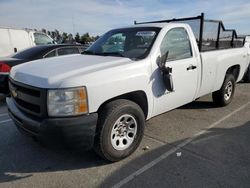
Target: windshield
41,39
133,43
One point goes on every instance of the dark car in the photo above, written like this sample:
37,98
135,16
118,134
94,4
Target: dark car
33,53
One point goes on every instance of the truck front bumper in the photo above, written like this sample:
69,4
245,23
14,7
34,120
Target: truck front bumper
75,132
4,88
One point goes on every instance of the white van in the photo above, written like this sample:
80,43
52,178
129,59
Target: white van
14,40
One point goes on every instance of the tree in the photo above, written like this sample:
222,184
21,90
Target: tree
64,36
77,37
96,37
67,37
44,30
85,38
57,32
70,39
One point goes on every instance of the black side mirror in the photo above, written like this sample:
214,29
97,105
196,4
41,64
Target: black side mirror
163,60
168,82
166,72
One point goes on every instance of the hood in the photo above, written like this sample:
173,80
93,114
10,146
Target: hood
51,72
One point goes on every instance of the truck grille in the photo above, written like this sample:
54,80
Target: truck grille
29,99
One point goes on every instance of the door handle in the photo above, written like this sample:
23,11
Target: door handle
191,67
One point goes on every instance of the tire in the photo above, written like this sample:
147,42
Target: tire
224,96
247,76
109,130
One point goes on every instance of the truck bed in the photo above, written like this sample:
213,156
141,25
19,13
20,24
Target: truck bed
215,63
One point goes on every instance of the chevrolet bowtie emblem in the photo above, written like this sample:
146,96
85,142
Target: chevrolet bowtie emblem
14,93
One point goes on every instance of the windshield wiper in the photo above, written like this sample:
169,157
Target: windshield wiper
112,54
88,52
117,54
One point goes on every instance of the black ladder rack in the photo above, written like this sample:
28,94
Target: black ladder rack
210,34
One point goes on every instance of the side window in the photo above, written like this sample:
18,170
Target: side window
176,42
68,50
50,54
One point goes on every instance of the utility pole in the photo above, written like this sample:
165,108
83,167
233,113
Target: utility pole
73,24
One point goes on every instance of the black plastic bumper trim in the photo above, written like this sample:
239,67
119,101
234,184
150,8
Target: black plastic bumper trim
75,132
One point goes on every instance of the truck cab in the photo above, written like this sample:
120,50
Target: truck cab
247,71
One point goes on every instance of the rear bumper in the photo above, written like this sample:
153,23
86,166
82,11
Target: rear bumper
73,132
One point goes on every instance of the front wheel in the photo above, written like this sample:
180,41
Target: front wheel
247,76
120,130
225,95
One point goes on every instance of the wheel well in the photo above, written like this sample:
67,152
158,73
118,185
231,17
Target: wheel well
234,70
138,97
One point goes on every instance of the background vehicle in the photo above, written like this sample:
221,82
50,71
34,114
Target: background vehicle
102,98
33,53
15,40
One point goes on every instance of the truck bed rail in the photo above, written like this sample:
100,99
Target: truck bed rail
210,34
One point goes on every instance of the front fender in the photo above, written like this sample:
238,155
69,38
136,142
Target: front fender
110,83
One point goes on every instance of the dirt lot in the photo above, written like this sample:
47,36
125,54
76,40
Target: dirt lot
197,145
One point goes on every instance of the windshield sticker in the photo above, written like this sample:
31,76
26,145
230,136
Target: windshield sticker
145,33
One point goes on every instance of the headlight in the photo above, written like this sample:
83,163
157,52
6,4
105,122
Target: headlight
67,102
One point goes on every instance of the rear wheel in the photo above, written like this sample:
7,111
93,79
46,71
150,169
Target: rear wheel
225,95
120,130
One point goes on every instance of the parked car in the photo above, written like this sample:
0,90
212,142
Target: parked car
102,98
14,40
33,53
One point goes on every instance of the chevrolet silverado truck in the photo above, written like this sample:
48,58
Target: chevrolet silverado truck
101,99
247,73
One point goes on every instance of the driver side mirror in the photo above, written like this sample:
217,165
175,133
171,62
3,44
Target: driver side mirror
168,81
162,61
166,72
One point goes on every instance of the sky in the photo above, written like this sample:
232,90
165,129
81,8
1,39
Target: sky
99,16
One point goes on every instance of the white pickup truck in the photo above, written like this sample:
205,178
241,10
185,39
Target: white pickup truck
247,73
101,99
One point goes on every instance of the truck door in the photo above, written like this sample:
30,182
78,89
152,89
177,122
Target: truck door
184,72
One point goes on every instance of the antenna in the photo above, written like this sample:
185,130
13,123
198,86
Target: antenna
73,24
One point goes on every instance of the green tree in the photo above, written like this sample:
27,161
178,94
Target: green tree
64,37
77,37
44,30
85,38
96,37
57,32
